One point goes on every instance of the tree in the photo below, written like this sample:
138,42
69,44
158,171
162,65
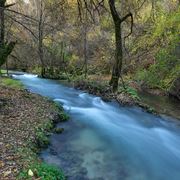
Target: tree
118,20
116,72
5,47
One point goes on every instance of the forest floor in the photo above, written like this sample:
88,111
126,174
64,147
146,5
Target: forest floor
21,113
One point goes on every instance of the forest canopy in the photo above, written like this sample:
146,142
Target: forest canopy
128,39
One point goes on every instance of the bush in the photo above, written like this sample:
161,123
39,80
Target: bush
162,73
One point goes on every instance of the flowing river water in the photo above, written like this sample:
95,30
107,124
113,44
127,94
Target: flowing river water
104,141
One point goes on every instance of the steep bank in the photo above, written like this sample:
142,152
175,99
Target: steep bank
25,119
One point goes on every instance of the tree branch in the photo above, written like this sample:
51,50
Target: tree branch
9,5
126,16
32,33
114,13
132,22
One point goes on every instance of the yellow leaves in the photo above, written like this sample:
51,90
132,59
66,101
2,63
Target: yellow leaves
74,57
30,173
1,164
47,41
7,173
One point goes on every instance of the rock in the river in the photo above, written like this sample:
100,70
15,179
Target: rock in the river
175,88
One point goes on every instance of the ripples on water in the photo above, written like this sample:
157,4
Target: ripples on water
105,141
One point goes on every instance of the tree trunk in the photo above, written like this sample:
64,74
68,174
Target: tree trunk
2,5
40,38
118,57
116,72
85,51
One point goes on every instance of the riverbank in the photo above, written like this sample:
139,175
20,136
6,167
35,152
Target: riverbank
127,97
155,101
133,95
25,120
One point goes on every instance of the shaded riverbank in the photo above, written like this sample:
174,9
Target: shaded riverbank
157,104
164,105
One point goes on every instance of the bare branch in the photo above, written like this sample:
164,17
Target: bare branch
132,22
9,5
126,16
32,33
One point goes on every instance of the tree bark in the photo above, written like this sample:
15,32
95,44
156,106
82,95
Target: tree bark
118,58
116,72
85,51
40,38
117,68
2,5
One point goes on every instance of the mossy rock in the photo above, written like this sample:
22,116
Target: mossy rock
58,130
42,140
63,117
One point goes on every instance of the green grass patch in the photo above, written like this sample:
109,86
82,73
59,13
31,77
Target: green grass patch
11,83
2,71
40,170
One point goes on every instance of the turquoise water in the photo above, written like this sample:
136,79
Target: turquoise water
106,141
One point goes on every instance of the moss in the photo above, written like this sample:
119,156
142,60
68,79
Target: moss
63,116
42,133
58,130
151,110
11,83
42,140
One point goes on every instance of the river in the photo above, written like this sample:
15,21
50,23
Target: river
106,141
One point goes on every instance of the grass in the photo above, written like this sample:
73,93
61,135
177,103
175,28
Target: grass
2,71
42,171
33,168
11,83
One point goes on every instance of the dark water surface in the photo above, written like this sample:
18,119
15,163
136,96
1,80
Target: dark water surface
162,104
108,142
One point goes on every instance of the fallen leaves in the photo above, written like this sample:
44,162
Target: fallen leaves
20,113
